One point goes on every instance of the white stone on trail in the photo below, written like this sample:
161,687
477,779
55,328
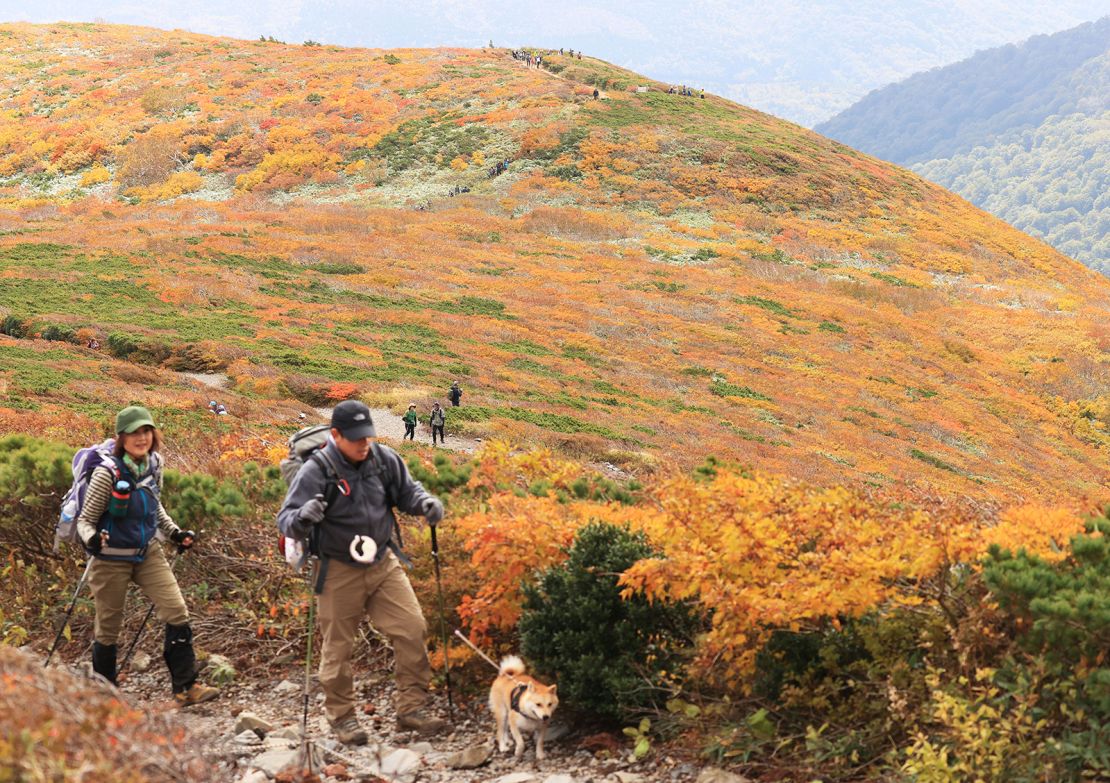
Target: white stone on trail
400,763
141,662
254,776
516,777
247,737
628,777
470,758
274,761
559,779
248,721
285,686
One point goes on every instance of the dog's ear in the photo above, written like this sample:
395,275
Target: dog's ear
531,687
554,687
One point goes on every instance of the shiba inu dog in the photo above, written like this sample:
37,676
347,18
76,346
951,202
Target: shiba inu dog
520,703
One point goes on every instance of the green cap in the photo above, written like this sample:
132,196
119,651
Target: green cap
131,418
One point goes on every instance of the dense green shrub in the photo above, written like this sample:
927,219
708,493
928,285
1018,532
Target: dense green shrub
443,476
201,502
34,474
610,656
14,326
1061,614
59,333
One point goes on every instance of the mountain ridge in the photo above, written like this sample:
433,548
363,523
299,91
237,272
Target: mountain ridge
1018,130
651,278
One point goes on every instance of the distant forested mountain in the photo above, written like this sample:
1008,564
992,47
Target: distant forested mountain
1022,131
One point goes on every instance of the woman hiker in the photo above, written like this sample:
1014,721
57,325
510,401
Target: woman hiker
410,422
119,519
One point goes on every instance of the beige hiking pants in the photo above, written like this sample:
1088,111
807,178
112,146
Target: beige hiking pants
108,580
383,594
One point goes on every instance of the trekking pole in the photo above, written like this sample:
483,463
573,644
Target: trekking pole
65,622
146,619
442,621
308,760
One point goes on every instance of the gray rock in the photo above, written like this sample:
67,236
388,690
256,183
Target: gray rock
400,763
559,779
422,748
248,721
285,686
470,758
628,777
254,776
288,733
717,775
247,737
141,662
274,761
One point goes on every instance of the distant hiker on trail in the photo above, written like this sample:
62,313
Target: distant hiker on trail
455,394
437,419
596,93
368,581
410,422
121,513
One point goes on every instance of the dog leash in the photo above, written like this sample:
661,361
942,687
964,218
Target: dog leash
514,697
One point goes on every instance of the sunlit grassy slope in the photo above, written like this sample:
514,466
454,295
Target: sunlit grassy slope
653,279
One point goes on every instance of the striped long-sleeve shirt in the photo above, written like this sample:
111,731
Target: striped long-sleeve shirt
96,503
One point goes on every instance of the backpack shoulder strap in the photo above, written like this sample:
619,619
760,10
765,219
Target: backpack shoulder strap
331,474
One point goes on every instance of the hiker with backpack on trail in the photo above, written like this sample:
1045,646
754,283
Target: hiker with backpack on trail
454,394
341,499
438,419
120,515
410,422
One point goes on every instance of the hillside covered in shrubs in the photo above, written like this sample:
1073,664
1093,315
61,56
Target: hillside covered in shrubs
824,442
645,277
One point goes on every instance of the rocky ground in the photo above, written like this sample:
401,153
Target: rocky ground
252,734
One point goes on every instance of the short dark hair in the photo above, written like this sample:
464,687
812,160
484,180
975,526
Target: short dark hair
155,443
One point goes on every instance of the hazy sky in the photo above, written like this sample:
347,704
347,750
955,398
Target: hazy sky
800,59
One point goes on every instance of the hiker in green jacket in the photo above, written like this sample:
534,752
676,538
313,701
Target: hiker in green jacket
410,422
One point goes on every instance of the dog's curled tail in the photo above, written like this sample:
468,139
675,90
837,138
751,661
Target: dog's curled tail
511,665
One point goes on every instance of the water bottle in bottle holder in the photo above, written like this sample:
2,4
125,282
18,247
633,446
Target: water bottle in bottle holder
121,496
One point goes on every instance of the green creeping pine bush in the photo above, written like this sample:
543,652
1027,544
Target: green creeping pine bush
611,656
445,476
200,502
34,474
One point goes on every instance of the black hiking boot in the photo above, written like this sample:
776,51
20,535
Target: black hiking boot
104,660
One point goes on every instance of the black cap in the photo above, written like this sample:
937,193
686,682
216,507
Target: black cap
352,419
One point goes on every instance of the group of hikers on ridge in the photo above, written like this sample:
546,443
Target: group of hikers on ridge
437,418
344,494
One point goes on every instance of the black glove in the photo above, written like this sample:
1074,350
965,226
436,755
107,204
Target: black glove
94,542
312,512
433,510
183,538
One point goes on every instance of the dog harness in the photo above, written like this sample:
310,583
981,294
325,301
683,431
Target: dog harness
514,699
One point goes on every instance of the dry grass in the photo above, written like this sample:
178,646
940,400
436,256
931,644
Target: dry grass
57,727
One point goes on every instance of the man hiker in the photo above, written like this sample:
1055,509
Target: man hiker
455,394
363,481
437,419
410,422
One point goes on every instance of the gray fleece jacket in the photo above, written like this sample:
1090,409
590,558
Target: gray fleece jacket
364,512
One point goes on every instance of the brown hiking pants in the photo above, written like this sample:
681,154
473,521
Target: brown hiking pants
383,594
108,580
